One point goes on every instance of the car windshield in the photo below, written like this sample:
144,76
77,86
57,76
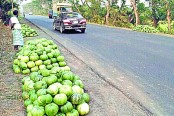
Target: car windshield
66,9
50,11
72,15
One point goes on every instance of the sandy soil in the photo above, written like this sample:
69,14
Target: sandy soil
11,103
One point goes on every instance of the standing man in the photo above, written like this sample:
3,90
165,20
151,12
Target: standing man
16,31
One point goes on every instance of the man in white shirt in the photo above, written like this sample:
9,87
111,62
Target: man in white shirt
16,31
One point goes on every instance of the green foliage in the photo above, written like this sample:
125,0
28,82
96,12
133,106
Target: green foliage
6,6
145,14
39,7
158,9
96,14
119,18
145,28
163,27
86,12
172,14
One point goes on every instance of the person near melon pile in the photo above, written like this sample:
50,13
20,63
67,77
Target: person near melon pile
16,30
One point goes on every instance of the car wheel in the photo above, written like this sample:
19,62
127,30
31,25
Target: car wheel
54,26
62,28
83,30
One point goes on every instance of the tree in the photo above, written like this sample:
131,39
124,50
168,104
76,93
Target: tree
144,13
169,4
123,2
109,4
155,5
75,3
133,3
108,12
38,6
6,7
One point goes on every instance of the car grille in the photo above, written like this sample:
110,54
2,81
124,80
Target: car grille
76,26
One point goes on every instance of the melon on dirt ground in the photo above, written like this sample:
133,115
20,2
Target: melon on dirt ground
27,31
52,88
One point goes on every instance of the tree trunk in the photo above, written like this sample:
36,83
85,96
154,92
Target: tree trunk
168,16
155,19
135,12
108,12
154,15
169,19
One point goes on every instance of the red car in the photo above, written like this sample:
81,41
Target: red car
69,21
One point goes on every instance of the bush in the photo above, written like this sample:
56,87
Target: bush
163,27
123,24
145,28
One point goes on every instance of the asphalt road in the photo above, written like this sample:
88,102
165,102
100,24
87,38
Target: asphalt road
148,57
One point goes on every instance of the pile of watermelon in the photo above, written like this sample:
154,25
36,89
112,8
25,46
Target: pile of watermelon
49,87
27,31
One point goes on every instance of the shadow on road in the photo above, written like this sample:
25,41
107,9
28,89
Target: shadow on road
72,32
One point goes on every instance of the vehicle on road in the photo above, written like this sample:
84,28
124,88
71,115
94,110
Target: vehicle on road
30,13
50,13
69,21
60,7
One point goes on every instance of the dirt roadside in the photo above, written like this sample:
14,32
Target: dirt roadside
11,103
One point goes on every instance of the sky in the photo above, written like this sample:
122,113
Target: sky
26,1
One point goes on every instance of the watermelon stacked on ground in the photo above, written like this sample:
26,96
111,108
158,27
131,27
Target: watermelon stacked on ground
27,31
50,89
